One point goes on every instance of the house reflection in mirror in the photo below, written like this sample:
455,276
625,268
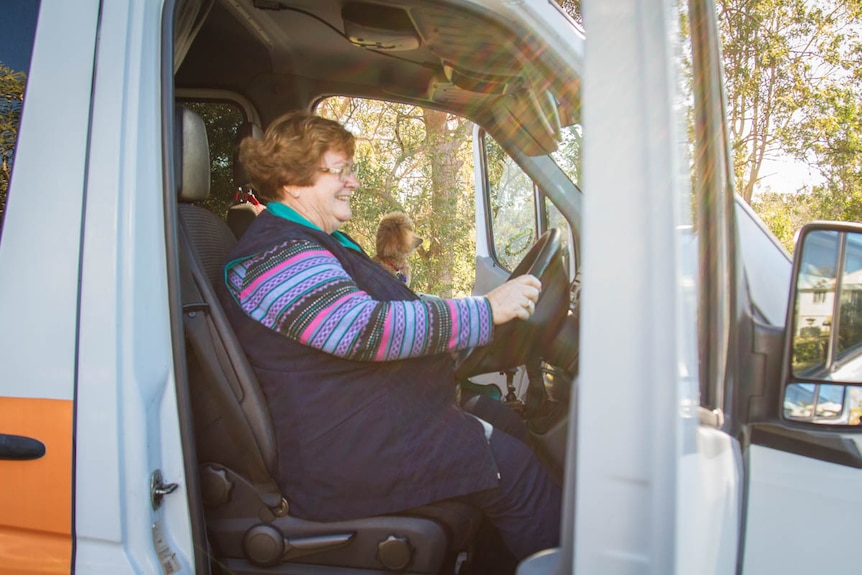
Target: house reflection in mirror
824,403
827,337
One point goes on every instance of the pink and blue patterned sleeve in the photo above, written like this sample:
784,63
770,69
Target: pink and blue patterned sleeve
300,290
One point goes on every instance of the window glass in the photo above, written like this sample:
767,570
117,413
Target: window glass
555,219
695,388
568,155
849,344
17,31
420,162
513,206
815,305
222,120
568,158
822,403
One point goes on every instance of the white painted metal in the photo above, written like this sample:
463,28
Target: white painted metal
631,331
710,504
127,417
39,251
802,514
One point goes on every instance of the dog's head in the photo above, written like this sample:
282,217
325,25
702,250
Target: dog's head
395,236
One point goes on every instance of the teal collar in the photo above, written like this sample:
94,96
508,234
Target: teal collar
288,213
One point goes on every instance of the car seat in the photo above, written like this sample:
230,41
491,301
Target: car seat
249,525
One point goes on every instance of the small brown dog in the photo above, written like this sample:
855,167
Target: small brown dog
396,240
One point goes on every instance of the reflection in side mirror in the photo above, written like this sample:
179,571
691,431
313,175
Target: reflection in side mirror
823,403
827,323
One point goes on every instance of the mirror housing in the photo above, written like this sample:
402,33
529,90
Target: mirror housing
822,364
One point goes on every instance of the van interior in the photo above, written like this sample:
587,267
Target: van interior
273,56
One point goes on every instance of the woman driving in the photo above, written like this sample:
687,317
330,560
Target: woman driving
356,368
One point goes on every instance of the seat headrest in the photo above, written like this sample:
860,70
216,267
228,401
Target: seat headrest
247,130
193,156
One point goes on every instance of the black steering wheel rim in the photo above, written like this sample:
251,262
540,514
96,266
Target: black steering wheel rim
517,340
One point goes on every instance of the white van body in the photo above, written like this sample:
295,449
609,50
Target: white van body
659,479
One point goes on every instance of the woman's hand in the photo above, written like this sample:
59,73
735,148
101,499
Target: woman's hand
515,298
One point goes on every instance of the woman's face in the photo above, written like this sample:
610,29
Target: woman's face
327,202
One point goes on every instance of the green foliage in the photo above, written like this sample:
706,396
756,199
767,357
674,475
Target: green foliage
849,325
572,8
11,100
512,206
568,155
832,138
766,65
810,331
807,351
222,121
784,214
794,88
419,162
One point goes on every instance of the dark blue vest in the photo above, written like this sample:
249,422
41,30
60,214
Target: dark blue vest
358,438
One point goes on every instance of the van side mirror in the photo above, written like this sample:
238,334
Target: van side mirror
823,351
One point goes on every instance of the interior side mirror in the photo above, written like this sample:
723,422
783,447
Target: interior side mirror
823,351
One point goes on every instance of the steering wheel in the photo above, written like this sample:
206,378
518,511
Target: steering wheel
519,339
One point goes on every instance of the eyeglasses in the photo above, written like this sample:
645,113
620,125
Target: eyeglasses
343,173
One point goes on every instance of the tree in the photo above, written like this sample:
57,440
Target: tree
11,100
786,213
417,161
572,8
221,120
777,55
444,137
831,135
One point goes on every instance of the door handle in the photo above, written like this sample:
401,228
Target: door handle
20,448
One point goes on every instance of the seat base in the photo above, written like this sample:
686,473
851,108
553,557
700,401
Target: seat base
434,535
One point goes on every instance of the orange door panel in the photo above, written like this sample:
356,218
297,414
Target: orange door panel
36,494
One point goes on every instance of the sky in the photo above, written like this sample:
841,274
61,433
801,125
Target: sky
17,19
785,175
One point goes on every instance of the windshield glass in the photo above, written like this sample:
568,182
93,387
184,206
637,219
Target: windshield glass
568,154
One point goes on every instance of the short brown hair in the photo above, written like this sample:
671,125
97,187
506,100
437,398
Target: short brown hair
290,152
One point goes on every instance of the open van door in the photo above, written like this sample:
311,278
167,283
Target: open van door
91,458
804,465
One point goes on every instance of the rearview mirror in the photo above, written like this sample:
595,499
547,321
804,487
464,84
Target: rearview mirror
825,326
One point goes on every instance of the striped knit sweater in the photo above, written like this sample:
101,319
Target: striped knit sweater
300,290
355,438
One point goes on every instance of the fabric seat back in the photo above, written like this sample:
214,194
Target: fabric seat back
232,422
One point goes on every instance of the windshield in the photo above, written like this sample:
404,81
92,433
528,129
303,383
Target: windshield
568,154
